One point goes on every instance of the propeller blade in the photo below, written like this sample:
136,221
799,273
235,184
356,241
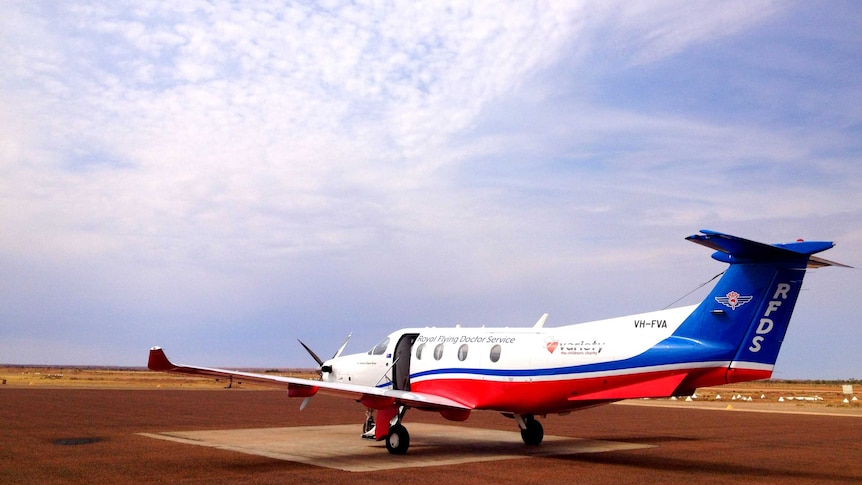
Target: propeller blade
313,355
341,349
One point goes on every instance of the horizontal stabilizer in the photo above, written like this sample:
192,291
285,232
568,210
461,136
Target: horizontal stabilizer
815,262
734,249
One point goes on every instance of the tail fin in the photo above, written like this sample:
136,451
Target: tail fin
745,317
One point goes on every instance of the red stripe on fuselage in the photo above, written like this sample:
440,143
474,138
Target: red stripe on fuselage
556,396
743,375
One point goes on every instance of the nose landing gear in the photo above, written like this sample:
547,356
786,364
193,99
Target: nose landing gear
368,431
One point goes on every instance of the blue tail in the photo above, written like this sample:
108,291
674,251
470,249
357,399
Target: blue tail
745,317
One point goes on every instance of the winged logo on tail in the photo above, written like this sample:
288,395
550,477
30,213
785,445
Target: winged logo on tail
733,300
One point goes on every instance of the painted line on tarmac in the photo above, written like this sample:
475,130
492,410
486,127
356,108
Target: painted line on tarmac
340,447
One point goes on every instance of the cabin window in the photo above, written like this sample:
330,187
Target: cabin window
419,350
380,348
438,352
495,353
462,352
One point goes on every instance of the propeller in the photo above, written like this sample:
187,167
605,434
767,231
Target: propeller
341,349
321,368
313,355
324,368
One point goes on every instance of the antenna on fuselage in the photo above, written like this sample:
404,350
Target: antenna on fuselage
692,291
541,322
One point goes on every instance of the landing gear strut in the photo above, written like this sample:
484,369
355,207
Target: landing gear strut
398,439
532,431
387,426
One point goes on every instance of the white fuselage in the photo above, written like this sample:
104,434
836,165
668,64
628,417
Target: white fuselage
508,368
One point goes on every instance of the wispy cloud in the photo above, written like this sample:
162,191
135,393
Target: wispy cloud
647,32
215,166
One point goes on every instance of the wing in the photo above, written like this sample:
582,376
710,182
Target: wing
372,397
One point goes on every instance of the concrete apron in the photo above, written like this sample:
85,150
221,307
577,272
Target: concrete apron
340,446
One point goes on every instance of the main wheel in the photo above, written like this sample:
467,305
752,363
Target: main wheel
398,440
534,433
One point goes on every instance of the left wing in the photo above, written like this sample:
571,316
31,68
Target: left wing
372,397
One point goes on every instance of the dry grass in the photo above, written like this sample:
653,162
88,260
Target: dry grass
99,378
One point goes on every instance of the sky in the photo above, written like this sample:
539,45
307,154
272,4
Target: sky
222,179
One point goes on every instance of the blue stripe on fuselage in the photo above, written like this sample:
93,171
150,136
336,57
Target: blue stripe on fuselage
671,351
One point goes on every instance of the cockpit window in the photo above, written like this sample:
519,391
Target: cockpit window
380,348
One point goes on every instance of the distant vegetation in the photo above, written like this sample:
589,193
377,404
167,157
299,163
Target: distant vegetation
816,381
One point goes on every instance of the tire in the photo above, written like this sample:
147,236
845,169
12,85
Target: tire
398,440
534,433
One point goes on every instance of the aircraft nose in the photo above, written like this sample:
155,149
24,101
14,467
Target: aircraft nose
326,370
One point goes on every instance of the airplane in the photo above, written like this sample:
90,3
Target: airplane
733,335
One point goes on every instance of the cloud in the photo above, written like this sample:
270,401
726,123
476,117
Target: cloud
204,165
647,32
231,105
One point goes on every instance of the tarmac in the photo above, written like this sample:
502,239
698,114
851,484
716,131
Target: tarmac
249,436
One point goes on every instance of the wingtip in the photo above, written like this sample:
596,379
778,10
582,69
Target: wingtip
158,360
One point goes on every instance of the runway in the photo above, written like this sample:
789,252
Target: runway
104,436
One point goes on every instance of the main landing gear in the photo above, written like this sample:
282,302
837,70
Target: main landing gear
397,438
532,431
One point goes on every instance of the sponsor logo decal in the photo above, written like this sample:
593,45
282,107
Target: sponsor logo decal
567,347
733,300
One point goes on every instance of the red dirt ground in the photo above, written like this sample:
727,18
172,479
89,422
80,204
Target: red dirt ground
691,446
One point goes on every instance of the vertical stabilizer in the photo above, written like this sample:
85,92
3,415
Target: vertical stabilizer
745,317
